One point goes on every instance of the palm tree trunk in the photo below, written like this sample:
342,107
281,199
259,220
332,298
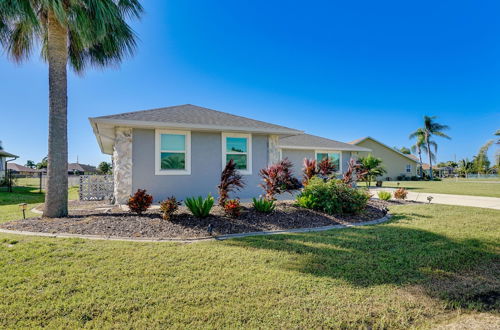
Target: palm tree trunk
430,158
56,199
420,158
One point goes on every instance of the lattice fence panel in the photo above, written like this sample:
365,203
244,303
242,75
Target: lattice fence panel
96,187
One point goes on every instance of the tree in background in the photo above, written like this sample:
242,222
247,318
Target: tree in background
30,164
431,128
497,155
465,166
481,161
420,147
104,168
43,164
372,167
78,32
403,150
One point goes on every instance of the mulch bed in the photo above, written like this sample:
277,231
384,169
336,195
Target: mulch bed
96,218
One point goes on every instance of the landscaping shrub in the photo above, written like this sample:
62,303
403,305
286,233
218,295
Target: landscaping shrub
400,193
140,202
278,179
230,180
384,195
168,207
354,172
326,168
332,197
309,170
232,208
263,205
372,167
200,207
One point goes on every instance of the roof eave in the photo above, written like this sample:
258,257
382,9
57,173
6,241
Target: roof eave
360,149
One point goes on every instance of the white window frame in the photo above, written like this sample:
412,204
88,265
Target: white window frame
224,137
316,152
408,168
158,151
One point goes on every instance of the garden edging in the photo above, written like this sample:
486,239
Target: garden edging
199,239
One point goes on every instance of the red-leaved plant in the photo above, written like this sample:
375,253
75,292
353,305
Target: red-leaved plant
277,178
354,172
140,202
168,207
326,167
230,180
309,170
232,208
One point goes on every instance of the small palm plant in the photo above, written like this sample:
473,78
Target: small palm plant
199,206
372,167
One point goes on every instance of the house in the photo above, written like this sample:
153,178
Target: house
181,150
395,162
4,155
23,170
298,147
81,169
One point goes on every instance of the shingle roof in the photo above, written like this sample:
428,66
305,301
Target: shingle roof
21,168
81,167
189,115
316,142
412,157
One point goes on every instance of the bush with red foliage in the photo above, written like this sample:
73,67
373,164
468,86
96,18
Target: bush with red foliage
278,179
309,170
232,208
326,168
400,193
140,202
230,180
354,172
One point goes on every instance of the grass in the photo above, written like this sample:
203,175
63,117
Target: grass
429,265
449,186
9,202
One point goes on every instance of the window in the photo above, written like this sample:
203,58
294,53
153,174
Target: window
408,168
237,147
334,156
173,152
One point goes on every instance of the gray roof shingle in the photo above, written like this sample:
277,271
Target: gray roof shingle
317,142
195,116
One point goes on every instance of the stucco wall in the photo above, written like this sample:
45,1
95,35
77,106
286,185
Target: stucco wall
206,166
393,162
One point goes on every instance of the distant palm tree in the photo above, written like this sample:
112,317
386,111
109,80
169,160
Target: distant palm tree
372,166
81,32
431,128
465,166
421,146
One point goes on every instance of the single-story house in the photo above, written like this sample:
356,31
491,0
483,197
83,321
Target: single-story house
21,169
298,147
181,150
395,163
4,155
80,169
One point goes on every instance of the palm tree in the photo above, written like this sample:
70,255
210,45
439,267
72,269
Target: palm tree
78,32
422,146
432,128
465,166
372,166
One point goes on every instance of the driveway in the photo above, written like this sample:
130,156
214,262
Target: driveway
462,200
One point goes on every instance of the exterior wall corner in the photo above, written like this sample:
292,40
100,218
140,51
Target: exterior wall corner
122,165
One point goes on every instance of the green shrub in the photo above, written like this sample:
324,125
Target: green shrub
263,205
384,195
332,197
200,207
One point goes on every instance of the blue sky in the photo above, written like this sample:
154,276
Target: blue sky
339,69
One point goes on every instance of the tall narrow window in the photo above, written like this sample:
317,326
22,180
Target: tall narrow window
408,168
237,147
333,156
173,156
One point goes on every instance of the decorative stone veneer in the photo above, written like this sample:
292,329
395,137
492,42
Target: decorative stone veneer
122,165
272,149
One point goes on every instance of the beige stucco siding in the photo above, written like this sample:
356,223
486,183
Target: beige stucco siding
394,163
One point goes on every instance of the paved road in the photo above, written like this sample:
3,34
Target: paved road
462,200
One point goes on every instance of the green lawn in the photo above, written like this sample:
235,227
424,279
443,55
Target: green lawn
449,186
430,264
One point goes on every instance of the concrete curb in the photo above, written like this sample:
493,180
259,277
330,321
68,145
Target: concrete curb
193,240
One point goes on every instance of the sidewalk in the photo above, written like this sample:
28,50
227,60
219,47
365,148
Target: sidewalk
462,200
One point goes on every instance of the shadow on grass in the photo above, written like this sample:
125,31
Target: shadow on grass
388,254
19,195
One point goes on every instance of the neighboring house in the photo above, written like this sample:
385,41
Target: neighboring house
20,169
395,162
81,169
298,147
4,159
181,150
